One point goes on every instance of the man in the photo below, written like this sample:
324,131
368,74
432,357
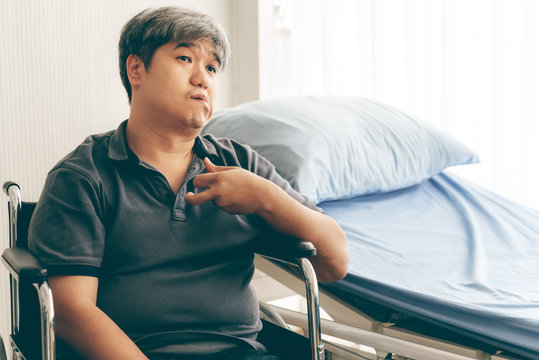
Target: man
147,231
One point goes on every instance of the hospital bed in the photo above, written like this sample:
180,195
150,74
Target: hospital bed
440,268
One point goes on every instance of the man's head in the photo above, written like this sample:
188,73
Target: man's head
152,28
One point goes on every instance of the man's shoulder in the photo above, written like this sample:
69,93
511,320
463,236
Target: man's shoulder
223,142
229,151
234,153
87,156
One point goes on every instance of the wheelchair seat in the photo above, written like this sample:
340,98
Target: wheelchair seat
32,312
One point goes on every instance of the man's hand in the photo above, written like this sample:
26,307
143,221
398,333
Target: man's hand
239,191
233,189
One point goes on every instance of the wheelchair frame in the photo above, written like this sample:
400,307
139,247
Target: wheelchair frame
24,267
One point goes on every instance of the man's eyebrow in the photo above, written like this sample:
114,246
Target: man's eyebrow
186,44
192,44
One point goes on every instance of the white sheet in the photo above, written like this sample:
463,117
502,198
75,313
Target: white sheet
451,251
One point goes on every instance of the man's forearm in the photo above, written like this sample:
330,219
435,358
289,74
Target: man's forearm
288,216
94,335
81,324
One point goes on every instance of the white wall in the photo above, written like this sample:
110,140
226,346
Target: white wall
59,83
245,44
468,67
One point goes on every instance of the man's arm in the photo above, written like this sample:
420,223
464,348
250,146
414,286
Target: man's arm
83,325
237,190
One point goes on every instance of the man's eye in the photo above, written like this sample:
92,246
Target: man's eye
212,69
183,58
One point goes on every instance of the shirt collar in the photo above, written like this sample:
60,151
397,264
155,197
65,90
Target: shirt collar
118,144
119,149
205,148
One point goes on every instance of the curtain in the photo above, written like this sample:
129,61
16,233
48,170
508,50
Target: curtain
470,67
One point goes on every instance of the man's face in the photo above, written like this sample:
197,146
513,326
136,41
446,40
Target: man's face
178,89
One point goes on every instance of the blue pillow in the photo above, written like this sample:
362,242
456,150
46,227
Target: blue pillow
332,148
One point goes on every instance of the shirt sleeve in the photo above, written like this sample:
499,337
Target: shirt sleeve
251,160
66,231
265,169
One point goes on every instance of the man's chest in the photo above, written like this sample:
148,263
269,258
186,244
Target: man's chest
143,231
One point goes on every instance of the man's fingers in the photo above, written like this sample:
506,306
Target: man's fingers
198,199
209,165
203,180
207,179
212,168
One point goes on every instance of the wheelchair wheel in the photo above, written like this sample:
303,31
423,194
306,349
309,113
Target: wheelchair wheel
3,355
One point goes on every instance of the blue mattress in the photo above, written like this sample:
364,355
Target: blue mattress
448,253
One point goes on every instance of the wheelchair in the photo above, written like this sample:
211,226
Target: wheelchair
32,313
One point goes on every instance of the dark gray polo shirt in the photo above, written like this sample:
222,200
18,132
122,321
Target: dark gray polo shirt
168,272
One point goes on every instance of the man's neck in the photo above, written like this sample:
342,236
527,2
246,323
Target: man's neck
155,144
168,152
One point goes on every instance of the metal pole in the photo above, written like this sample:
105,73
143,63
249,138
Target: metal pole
14,208
48,348
313,310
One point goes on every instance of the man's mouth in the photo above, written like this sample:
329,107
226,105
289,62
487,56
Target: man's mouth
201,97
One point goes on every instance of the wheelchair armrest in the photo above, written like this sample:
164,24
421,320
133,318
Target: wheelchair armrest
283,248
24,266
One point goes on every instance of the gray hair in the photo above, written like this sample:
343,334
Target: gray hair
152,28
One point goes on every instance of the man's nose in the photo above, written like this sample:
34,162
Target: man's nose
200,77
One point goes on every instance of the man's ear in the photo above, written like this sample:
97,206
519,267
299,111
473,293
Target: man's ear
135,67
